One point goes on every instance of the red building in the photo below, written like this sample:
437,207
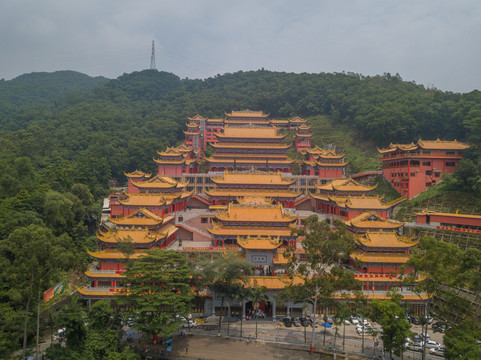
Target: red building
160,194
202,131
413,168
144,229
303,138
250,147
178,161
449,221
325,163
347,199
233,185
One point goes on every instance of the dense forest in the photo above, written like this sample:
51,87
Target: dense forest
64,135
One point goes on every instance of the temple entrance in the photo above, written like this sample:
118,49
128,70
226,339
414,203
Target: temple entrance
265,309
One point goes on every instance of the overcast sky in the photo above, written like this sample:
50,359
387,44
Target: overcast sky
435,43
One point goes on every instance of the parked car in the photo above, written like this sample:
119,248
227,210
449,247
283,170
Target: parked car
415,346
347,322
432,344
315,323
296,322
437,351
287,322
422,336
304,321
417,338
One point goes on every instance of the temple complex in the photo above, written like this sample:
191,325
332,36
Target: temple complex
247,204
251,183
413,168
325,163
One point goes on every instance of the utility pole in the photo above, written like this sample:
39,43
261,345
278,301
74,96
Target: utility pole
152,57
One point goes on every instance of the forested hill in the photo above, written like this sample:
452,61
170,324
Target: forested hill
42,87
124,121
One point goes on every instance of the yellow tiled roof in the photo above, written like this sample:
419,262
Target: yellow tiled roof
247,113
468,216
138,236
442,145
274,282
253,193
255,212
322,153
160,182
137,173
253,161
258,243
372,220
427,145
359,202
380,258
91,274
276,146
152,199
251,230
112,254
250,132
345,185
381,239
252,177
142,217
196,117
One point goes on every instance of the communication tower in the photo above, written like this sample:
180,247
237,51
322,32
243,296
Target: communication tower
152,57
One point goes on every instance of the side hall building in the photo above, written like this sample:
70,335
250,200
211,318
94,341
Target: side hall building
413,168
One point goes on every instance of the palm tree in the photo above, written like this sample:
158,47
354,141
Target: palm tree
257,294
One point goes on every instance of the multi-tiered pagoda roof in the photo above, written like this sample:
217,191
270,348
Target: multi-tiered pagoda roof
251,183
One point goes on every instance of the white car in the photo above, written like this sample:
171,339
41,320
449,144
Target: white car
432,344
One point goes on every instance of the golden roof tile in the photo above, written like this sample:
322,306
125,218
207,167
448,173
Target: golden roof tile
256,210
372,220
273,282
137,173
247,113
258,243
112,254
384,239
253,193
160,182
222,230
442,145
380,258
345,185
250,132
141,217
252,177
276,146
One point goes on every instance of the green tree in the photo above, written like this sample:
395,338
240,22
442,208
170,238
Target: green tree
395,328
224,276
257,294
324,248
33,256
438,264
461,342
159,290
